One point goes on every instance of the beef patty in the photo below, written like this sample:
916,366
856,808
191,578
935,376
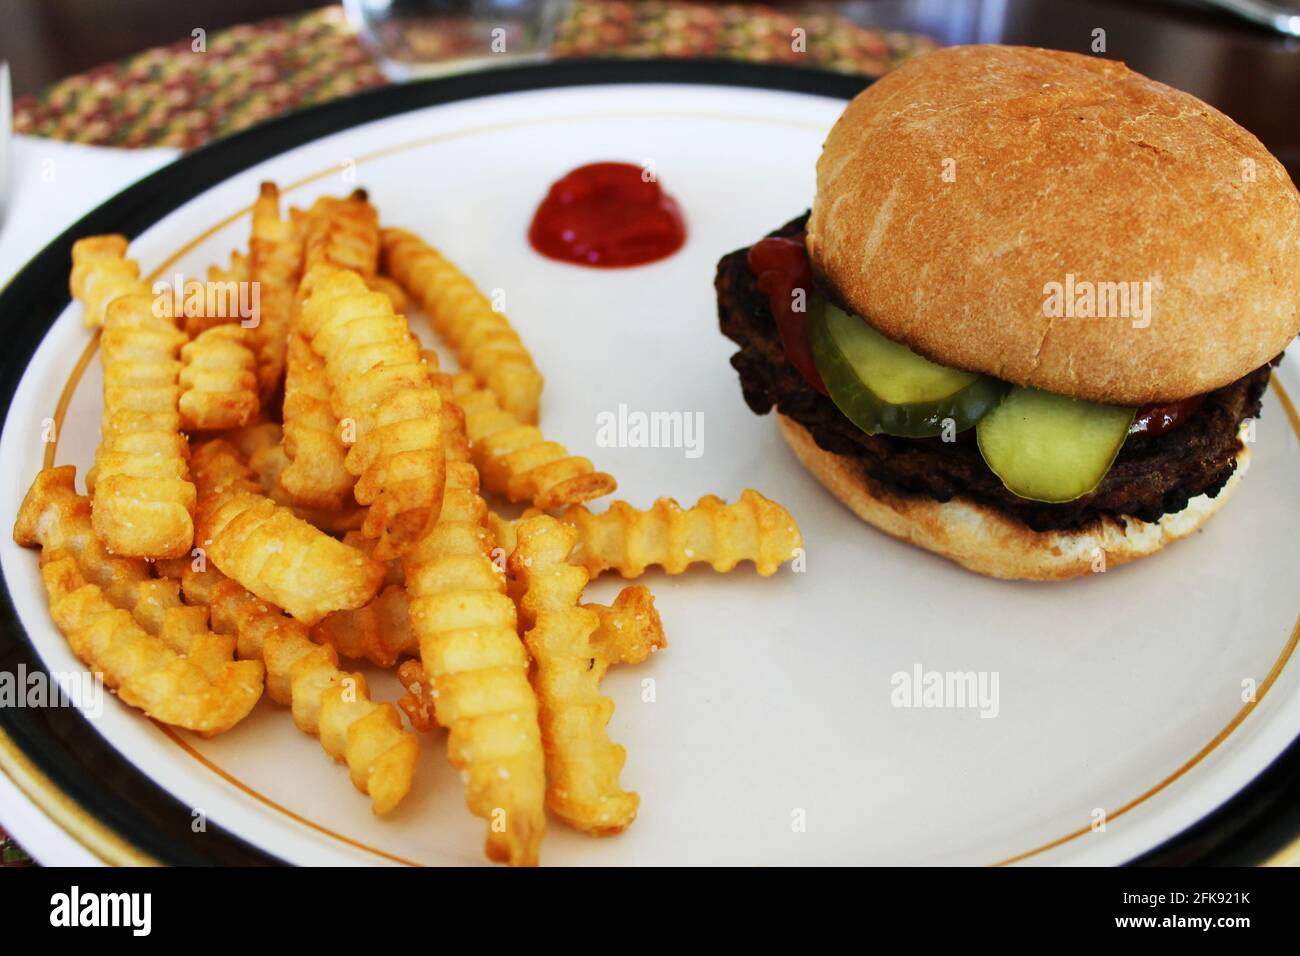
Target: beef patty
1152,476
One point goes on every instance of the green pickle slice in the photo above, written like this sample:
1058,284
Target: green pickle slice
1047,447
882,386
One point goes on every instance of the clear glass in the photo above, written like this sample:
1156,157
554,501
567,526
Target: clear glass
418,38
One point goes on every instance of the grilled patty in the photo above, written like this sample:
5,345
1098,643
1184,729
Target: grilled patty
1152,476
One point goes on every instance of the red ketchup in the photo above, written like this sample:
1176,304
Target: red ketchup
608,216
781,266
1158,419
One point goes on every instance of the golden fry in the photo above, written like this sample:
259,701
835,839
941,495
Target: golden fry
482,337
101,273
263,546
144,502
325,701
122,622
316,475
261,446
516,461
582,765
275,263
219,379
721,535
474,661
380,389
379,632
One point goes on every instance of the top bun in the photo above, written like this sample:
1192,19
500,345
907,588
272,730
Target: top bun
955,189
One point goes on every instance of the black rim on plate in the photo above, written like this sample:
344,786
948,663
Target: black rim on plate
85,767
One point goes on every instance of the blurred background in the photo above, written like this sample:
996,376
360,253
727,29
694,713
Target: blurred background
1246,69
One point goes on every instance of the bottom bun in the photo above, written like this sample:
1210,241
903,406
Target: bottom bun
985,540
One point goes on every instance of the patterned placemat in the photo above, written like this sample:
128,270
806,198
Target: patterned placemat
174,96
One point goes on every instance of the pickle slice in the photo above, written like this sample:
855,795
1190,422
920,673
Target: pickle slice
882,386
1047,447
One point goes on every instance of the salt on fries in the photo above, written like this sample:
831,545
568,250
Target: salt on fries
144,502
219,379
123,623
485,342
236,539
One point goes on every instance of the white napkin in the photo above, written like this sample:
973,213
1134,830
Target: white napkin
53,184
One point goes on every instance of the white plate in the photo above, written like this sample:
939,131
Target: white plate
773,701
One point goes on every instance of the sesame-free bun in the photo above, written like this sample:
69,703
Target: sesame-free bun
1059,164
989,542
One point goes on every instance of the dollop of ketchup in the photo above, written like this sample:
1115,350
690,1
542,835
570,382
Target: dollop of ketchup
1158,419
780,265
607,215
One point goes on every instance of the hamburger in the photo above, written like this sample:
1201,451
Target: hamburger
1030,316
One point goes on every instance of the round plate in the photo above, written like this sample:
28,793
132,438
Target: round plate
769,731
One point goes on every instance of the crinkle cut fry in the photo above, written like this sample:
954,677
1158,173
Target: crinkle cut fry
629,631
472,656
316,475
381,632
582,764
219,378
270,551
101,273
326,702
127,625
334,234
261,445
515,460
275,257
630,540
381,386
144,502
483,339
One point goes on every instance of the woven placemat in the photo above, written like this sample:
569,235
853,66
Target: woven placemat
173,96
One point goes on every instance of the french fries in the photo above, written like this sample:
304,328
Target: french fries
582,765
261,445
197,577
477,667
629,540
516,460
326,702
101,273
123,623
219,379
381,389
144,502
316,475
482,337
270,551
275,264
